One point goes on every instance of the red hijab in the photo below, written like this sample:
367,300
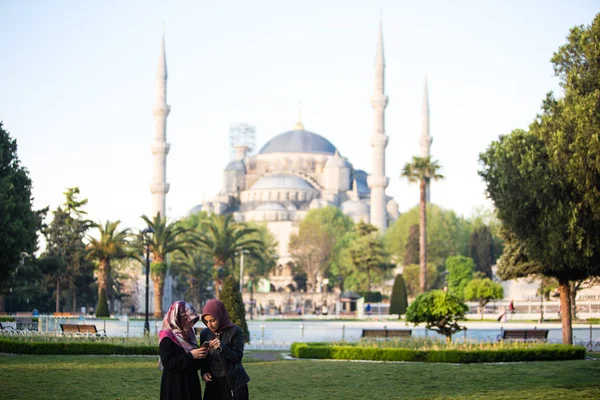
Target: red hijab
217,310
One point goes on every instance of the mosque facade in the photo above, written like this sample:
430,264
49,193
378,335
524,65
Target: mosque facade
299,170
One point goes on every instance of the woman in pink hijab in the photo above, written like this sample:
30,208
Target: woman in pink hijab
180,357
223,373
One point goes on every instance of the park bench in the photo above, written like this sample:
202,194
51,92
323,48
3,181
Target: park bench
386,333
76,329
7,329
63,314
525,335
25,323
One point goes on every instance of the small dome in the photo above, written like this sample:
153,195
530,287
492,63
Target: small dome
281,181
236,165
361,182
352,208
270,207
337,162
298,141
195,210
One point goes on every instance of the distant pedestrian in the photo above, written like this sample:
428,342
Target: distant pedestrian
224,374
180,357
368,309
511,307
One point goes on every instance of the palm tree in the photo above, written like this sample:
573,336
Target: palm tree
167,238
422,170
110,245
224,238
195,268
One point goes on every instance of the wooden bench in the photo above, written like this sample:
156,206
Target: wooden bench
83,329
386,333
525,335
63,314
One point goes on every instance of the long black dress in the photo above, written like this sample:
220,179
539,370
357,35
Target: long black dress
180,379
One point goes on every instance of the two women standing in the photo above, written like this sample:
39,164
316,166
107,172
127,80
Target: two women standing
219,358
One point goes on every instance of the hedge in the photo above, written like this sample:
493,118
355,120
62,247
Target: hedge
550,352
17,347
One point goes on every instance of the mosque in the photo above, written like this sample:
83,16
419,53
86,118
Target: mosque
294,172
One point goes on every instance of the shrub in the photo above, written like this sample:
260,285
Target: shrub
439,310
96,348
371,297
232,299
399,301
542,352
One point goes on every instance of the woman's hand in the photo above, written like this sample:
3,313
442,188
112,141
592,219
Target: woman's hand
200,352
215,343
207,377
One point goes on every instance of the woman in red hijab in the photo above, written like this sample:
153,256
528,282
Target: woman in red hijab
180,357
223,373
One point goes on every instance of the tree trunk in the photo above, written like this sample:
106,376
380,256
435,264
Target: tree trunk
57,295
74,300
2,303
565,311
423,238
159,289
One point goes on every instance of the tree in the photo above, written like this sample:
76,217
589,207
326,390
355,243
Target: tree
399,301
411,278
64,238
422,170
483,290
20,223
341,229
232,299
439,310
167,238
365,259
545,183
311,249
460,273
411,250
110,245
481,250
447,234
223,239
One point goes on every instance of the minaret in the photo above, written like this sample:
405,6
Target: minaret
425,140
377,181
160,148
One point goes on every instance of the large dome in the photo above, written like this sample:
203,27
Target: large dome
298,141
281,181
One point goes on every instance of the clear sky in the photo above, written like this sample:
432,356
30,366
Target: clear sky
77,86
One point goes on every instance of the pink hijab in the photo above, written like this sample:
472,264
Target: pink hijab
217,310
179,316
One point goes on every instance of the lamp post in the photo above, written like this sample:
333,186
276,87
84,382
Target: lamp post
145,234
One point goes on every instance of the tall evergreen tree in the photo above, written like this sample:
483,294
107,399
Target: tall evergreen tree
19,222
411,250
399,300
481,250
232,299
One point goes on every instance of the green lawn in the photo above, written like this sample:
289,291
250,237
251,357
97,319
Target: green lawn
137,377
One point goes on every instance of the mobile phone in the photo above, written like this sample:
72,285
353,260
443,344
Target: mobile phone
206,344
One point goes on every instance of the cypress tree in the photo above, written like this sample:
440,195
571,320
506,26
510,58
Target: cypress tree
232,299
399,301
411,250
481,250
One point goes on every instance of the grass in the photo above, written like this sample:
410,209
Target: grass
114,377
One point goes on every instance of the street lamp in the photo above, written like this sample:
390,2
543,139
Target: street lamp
146,235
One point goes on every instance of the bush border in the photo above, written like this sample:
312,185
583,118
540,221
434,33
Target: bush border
547,352
94,348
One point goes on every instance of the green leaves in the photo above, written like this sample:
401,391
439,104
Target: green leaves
439,310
